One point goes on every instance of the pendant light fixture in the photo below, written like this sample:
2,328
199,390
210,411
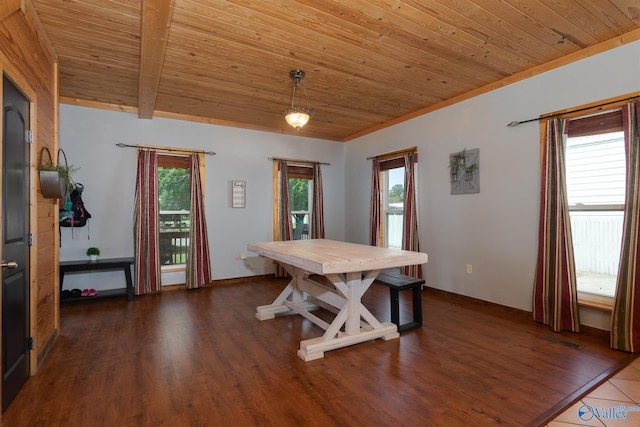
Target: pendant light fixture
297,116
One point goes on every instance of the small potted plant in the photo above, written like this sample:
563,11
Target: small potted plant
55,180
469,171
456,162
93,253
460,157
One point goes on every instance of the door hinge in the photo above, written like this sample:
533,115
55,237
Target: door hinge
30,343
29,239
28,136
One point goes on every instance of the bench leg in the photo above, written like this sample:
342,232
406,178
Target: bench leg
129,282
417,305
416,298
394,295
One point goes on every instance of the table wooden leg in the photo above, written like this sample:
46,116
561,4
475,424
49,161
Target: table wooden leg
352,287
265,312
290,300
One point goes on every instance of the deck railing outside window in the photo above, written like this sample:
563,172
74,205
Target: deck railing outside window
300,225
174,237
597,238
393,228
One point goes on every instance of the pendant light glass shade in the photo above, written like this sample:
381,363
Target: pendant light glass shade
297,116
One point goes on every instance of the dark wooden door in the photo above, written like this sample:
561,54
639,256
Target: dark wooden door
15,241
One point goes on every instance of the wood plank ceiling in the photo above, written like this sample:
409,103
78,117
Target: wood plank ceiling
367,63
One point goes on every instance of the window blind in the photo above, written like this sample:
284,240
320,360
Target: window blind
596,169
596,124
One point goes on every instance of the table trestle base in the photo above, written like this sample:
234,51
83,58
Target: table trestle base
303,295
266,312
314,348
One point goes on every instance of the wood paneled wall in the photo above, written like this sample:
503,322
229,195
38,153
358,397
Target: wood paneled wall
27,58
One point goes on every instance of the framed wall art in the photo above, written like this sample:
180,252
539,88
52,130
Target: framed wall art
238,194
464,171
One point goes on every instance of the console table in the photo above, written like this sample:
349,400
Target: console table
101,264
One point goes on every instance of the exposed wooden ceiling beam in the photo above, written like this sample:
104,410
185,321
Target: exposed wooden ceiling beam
30,14
154,24
7,7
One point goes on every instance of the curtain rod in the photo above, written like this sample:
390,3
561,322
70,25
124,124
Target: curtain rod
298,161
395,154
377,157
547,116
185,150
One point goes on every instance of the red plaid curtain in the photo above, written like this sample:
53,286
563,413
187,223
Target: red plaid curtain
625,319
376,202
410,238
145,224
285,229
555,298
317,215
198,260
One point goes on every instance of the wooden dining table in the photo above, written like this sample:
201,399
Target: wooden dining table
350,269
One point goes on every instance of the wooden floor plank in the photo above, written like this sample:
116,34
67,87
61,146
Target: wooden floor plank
200,357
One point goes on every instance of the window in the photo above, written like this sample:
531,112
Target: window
173,203
392,187
595,167
300,199
298,211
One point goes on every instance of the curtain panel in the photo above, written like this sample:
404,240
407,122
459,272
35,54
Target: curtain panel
317,215
625,319
145,224
410,235
285,229
376,204
555,301
198,269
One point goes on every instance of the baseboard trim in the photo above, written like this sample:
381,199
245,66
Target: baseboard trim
235,280
523,314
46,348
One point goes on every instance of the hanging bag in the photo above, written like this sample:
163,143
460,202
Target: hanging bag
78,214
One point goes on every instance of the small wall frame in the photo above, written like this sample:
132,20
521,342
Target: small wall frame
464,171
238,194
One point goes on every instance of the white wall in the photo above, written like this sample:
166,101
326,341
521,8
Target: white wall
88,137
494,230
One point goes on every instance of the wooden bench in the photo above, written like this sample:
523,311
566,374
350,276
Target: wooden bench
102,264
397,282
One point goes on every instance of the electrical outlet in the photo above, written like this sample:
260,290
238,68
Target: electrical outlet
469,269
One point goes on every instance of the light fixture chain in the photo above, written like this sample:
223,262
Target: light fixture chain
293,94
297,116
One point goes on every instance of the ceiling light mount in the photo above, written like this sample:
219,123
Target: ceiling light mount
297,116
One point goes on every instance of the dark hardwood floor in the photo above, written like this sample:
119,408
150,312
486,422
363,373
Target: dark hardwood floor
201,358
